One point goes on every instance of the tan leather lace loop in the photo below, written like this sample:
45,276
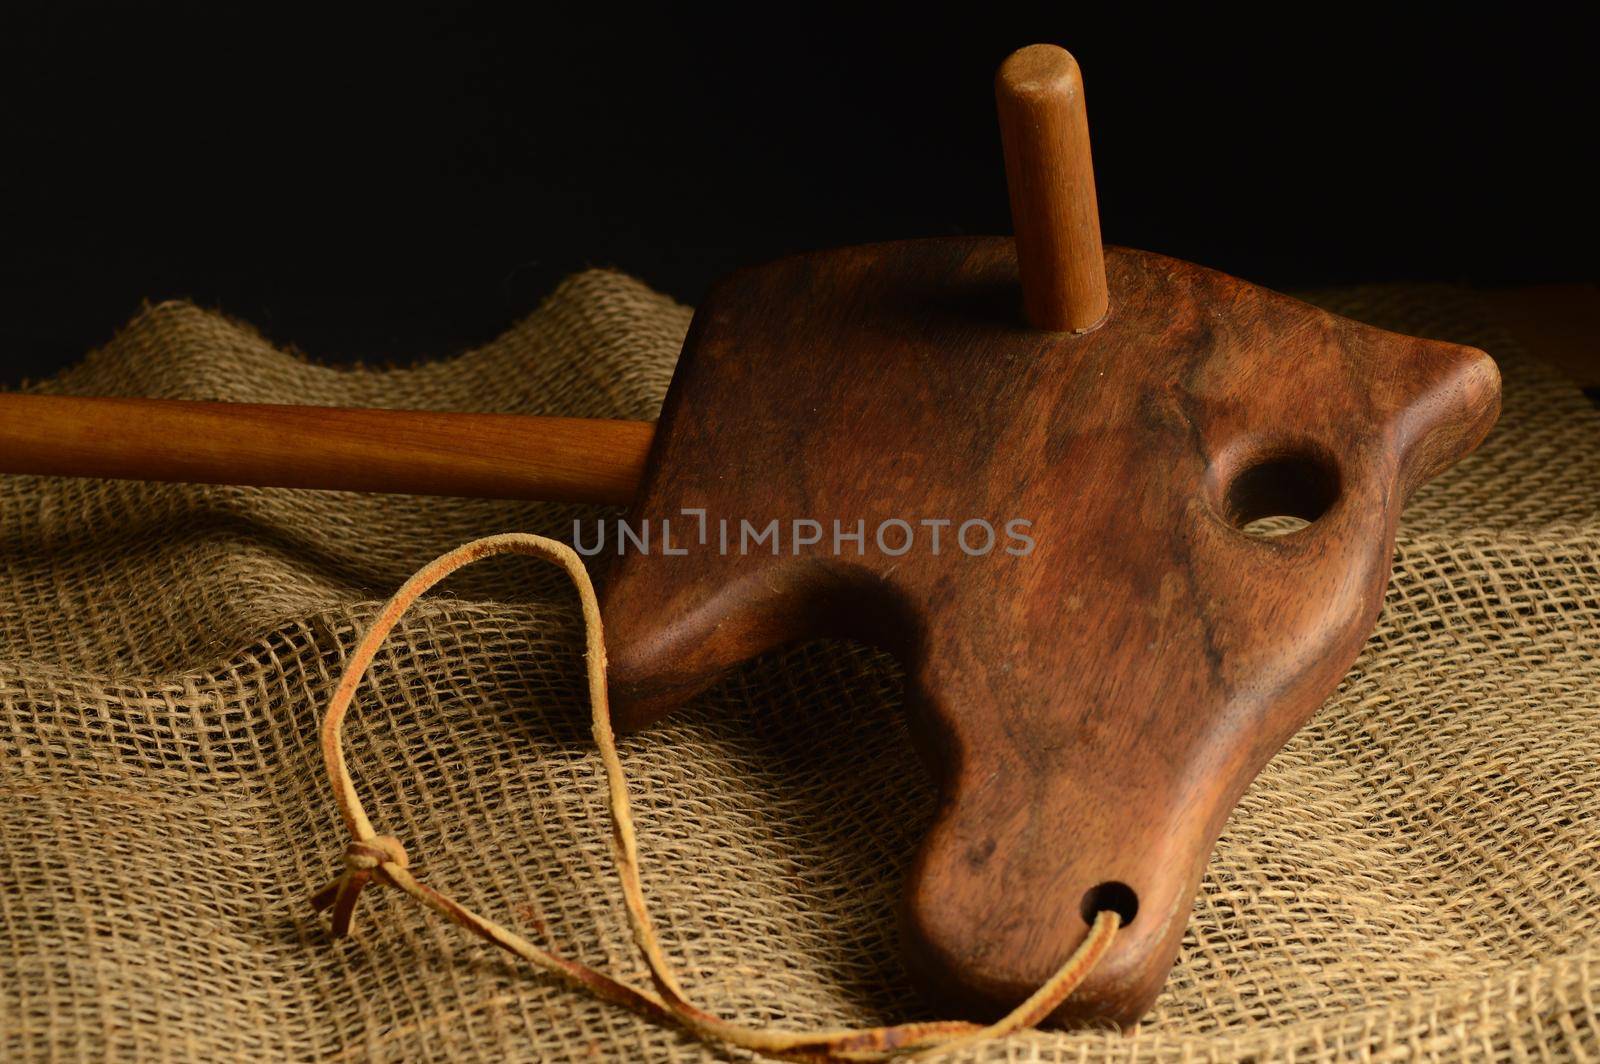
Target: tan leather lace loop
374,857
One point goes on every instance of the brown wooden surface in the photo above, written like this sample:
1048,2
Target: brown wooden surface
1044,130
498,456
1092,710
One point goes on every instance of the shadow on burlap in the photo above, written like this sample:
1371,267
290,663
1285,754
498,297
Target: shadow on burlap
1416,874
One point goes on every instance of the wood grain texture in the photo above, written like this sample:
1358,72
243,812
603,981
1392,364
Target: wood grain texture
496,456
1092,710
1044,131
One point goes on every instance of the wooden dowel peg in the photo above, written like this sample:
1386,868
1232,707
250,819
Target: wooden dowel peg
1044,130
412,452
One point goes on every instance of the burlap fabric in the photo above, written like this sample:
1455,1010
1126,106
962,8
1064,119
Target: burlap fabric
1416,875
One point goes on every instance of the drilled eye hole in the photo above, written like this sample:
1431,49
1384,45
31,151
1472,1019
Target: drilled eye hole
1281,493
1112,895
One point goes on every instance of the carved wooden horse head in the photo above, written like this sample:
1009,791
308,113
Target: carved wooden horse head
1092,707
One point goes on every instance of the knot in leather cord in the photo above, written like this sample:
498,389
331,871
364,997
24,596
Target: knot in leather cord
363,859
366,854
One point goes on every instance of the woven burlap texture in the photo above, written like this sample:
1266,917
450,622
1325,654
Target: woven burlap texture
1417,874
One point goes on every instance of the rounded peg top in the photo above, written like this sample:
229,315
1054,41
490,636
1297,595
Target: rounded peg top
1044,130
1041,71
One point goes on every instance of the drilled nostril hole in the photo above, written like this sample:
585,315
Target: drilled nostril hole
1112,895
1282,493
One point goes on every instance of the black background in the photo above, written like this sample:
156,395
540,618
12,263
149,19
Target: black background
389,183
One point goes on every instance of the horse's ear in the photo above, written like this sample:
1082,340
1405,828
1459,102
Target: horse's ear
1443,399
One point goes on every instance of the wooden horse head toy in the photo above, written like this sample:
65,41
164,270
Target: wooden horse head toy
1025,467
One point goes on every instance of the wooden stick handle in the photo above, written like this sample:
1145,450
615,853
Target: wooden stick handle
1044,129
496,456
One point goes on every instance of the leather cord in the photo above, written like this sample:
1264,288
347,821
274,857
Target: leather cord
374,858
